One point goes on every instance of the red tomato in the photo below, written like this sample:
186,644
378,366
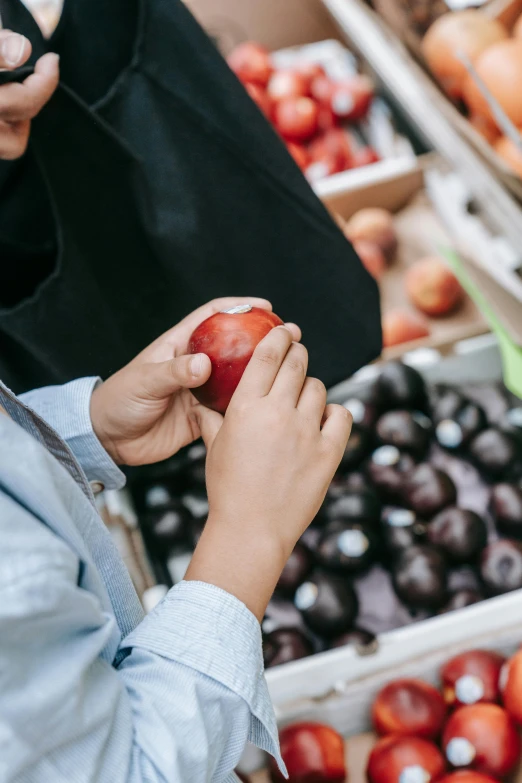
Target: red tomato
299,153
322,89
296,118
287,84
251,63
260,97
351,99
364,156
310,70
326,118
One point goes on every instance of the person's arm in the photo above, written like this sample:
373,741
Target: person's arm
179,708
20,103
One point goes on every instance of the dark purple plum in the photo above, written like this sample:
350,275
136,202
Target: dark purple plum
328,604
459,533
420,577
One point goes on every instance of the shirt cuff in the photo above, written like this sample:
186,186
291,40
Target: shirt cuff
67,410
209,630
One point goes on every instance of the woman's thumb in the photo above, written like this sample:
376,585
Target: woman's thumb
209,423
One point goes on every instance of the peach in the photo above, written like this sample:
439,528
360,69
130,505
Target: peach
432,286
400,326
374,225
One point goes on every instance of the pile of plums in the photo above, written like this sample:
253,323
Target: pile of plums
390,508
315,115
465,732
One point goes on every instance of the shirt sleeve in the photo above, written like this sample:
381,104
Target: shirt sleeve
67,410
178,709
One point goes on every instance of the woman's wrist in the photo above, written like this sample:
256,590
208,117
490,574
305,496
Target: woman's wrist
243,562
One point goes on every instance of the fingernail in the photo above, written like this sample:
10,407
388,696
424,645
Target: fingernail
196,365
13,48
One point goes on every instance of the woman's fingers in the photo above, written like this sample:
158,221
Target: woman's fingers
312,401
288,384
263,367
337,425
21,102
15,49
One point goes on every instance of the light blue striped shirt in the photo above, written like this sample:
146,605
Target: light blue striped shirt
91,691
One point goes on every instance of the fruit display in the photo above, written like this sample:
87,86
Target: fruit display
400,535
320,106
422,302
496,55
460,729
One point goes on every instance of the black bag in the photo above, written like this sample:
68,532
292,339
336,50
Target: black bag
153,184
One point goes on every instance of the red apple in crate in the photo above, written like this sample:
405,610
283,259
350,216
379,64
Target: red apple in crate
313,753
296,118
260,97
471,677
372,257
299,153
229,339
511,686
467,776
251,63
409,707
374,225
399,759
287,84
352,98
400,326
432,286
364,156
482,737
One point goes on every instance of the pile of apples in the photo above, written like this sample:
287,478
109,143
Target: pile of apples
466,732
431,286
310,111
497,58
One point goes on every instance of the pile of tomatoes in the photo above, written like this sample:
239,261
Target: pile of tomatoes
311,111
465,732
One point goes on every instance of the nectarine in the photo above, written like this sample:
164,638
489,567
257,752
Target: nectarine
400,326
432,286
374,225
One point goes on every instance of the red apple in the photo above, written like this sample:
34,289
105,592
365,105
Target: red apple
372,257
313,753
467,776
260,97
511,686
299,153
229,339
482,737
400,326
251,63
287,84
364,156
296,118
471,677
399,759
432,286
409,707
352,98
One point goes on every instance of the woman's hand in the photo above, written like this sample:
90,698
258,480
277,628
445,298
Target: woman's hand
20,103
270,461
142,414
